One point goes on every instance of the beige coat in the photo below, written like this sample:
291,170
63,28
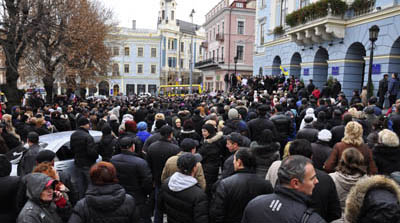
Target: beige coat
171,168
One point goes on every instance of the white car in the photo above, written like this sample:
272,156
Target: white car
59,143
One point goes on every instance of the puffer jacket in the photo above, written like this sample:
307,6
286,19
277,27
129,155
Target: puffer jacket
34,210
256,126
308,132
265,156
183,200
344,183
387,159
284,205
233,194
373,199
211,150
82,145
283,126
105,204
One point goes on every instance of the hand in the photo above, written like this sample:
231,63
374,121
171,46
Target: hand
57,195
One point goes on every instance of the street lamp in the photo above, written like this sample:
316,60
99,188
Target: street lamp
191,55
373,36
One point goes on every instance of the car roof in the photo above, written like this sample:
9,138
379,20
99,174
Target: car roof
56,140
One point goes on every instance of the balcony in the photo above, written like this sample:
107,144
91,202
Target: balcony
220,37
204,45
324,20
209,63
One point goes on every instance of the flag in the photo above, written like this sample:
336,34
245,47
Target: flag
286,73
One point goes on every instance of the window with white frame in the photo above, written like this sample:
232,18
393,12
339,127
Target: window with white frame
115,51
262,33
240,27
284,12
126,68
304,3
139,69
240,52
153,69
140,52
153,52
126,50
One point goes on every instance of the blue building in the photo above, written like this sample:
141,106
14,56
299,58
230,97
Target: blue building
331,42
135,66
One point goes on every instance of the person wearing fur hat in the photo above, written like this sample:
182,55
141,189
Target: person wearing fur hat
321,149
350,170
387,153
353,137
373,199
210,150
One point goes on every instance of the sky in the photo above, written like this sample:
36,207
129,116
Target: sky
145,12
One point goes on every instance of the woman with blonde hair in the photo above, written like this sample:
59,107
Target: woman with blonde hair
353,134
11,138
387,152
350,170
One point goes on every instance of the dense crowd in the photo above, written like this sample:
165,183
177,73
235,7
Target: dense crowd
270,150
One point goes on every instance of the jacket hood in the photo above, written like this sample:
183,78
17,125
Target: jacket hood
106,197
215,138
355,198
179,182
347,181
35,184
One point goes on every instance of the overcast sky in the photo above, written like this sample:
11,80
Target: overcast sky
145,12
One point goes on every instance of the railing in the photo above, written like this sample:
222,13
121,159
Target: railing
220,37
204,44
211,61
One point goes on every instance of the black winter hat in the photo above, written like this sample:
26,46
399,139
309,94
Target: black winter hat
210,129
83,121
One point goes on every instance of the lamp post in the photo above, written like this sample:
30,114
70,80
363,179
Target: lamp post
373,36
235,60
191,56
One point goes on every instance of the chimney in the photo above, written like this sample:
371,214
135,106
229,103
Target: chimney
134,24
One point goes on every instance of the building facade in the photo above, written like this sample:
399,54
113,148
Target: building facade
330,42
177,37
135,66
229,33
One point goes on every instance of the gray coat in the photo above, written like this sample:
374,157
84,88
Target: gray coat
34,210
28,160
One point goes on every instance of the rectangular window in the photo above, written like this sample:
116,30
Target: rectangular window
172,15
239,52
213,57
181,63
126,51
239,4
126,68
182,47
141,88
130,89
218,29
171,61
240,27
261,34
163,14
140,68
222,53
284,12
140,52
153,52
153,69
217,54
115,51
152,89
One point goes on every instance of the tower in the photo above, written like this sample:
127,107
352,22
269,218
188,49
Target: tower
167,13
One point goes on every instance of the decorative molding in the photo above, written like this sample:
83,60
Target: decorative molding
313,64
345,61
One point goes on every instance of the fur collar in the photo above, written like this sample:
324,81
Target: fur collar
355,198
215,138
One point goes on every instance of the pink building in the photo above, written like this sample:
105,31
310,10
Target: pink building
229,33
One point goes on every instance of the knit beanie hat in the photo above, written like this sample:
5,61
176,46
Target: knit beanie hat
233,114
142,126
130,126
325,135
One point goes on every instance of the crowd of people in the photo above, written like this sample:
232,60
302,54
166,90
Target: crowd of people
271,150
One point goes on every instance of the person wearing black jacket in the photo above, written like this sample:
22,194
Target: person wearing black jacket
8,192
382,89
134,175
290,201
256,126
105,199
233,193
283,126
182,198
107,143
157,155
85,154
338,131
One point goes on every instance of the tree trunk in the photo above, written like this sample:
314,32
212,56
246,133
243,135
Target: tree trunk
14,96
48,82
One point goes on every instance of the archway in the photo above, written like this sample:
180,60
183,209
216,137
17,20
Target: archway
295,68
320,67
354,69
276,70
394,61
116,90
104,88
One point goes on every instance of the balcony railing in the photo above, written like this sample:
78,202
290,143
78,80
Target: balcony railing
220,37
204,45
209,62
